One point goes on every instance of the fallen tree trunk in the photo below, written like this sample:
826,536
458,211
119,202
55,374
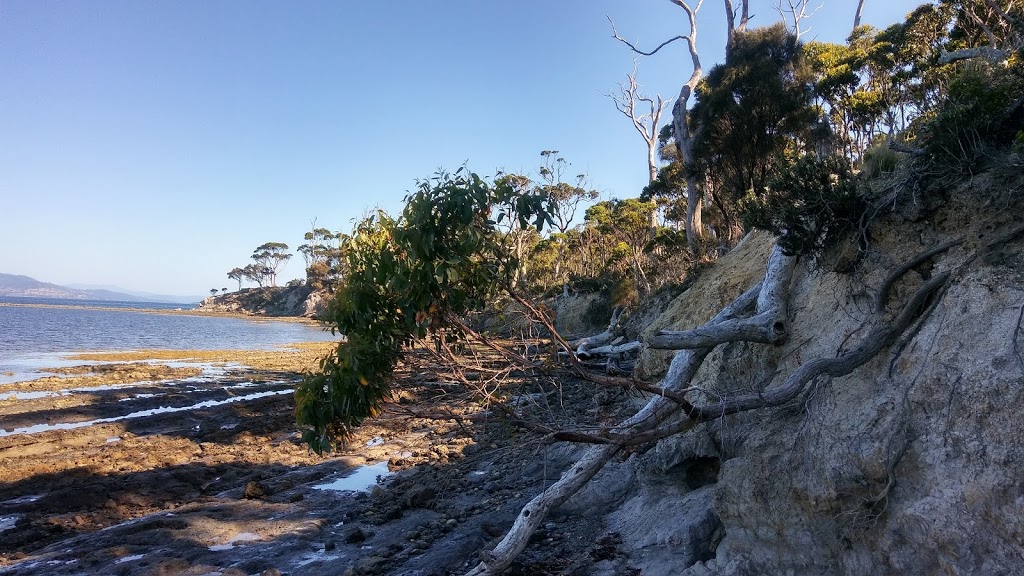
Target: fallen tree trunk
648,424
769,296
611,350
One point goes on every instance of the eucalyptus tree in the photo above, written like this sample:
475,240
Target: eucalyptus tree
270,256
410,278
750,111
237,274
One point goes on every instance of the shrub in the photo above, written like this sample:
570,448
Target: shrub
808,204
974,115
879,159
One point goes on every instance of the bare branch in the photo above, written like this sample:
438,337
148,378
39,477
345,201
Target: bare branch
615,35
796,11
645,122
681,371
683,368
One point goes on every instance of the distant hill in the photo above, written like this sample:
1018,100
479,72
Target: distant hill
14,285
146,296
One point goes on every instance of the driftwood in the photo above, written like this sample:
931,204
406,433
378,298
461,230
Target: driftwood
610,350
586,345
766,324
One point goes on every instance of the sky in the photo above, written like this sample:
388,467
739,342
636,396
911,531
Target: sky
153,145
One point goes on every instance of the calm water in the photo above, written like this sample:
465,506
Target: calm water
33,338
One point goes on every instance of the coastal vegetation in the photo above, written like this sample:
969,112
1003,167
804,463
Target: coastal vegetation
783,136
797,350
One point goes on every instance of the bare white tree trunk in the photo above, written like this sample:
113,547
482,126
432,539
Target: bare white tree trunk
770,299
683,136
857,14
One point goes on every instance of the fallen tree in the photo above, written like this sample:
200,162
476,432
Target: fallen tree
734,323
413,279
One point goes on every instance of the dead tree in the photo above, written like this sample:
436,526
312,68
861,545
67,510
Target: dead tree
796,10
645,114
670,412
681,129
857,14
730,18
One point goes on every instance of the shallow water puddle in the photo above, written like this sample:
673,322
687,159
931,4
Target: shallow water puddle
363,478
141,414
236,539
316,557
132,558
7,522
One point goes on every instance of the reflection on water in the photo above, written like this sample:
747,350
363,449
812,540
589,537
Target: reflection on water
363,478
33,338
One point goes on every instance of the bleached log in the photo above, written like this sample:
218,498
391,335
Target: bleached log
768,326
610,350
987,52
603,338
682,369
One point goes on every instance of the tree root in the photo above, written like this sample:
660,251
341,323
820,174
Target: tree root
770,297
647,424
883,290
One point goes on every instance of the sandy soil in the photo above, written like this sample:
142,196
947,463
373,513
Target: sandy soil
190,463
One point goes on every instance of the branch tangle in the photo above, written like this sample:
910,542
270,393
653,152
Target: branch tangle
647,424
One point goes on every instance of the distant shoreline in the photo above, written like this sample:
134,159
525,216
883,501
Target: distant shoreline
165,311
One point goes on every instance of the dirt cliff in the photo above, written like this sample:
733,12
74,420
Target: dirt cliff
909,465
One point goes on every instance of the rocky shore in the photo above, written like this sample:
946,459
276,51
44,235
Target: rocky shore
190,463
278,301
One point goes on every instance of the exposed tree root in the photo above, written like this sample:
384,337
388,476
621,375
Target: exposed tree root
883,290
681,371
648,424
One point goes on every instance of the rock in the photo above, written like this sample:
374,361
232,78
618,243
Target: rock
355,535
371,565
255,490
420,497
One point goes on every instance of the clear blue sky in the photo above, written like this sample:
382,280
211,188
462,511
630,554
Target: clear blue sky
154,145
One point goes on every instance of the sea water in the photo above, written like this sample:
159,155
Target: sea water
35,337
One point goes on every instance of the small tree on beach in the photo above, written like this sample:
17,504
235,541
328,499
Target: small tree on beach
213,291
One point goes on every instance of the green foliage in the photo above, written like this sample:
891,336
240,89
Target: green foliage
751,111
598,311
238,275
808,204
410,278
879,159
269,257
976,114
